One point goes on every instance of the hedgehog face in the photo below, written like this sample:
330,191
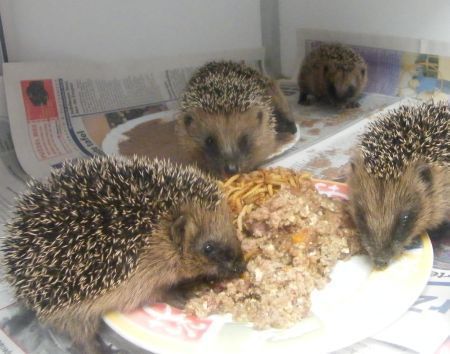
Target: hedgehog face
207,242
390,213
226,144
344,86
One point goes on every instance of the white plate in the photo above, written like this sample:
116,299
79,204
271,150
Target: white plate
112,140
117,135
356,304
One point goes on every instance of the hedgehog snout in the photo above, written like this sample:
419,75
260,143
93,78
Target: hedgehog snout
232,163
350,91
341,93
239,266
231,168
331,88
378,254
381,263
231,262
235,267
383,257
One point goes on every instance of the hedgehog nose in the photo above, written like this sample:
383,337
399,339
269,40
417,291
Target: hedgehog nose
239,266
231,168
351,91
332,90
380,263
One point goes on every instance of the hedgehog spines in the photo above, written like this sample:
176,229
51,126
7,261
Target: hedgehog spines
406,135
226,87
344,58
88,215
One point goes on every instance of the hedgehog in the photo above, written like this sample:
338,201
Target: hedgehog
334,73
111,233
400,179
232,118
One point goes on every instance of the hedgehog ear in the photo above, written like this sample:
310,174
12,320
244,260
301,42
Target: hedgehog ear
260,116
187,120
182,228
426,175
184,119
178,230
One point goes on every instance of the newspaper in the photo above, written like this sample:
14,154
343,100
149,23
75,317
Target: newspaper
61,111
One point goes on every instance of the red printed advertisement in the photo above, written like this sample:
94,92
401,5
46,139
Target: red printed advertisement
39,99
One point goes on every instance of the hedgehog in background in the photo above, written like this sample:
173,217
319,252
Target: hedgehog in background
113,234
334,73
400,179
232,118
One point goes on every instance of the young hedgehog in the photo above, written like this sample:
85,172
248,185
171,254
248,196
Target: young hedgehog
400,179
232,117
113,234
334,73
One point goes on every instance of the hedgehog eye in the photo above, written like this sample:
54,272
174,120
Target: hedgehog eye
208,248
363,72
404,218
404,224
187,120
244,143
210,142
211,146
325,69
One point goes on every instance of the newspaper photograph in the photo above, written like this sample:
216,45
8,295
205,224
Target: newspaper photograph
52,112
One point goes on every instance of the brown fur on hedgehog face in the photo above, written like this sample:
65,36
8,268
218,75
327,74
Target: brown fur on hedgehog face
390,213
200,243
207,242
343,87
227,144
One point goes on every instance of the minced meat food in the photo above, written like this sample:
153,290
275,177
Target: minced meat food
291,242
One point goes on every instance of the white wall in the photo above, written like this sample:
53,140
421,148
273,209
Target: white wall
405,18
120,29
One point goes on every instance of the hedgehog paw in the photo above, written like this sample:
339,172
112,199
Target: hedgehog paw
93,347
352,105
303,99
176,298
